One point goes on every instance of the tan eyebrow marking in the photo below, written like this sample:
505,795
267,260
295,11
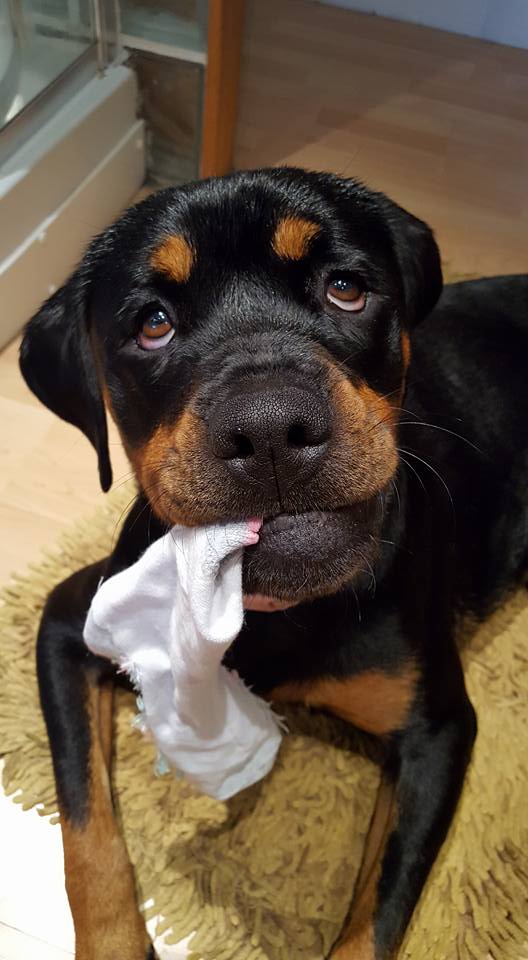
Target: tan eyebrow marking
175,257
292,237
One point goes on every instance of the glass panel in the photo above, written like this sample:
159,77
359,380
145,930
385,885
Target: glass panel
171,96
39,39
175,23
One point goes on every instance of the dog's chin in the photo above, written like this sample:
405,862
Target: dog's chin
303,556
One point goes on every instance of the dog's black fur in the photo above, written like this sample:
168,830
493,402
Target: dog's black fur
408,506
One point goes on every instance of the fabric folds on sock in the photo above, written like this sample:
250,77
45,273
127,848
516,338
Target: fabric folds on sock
167,621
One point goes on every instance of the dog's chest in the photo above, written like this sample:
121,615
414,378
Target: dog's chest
307,656
373,700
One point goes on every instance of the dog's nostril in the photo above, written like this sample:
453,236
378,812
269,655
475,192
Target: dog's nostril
298,436
261,433
241,445
301,435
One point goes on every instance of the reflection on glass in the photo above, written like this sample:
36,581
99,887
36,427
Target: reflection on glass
176,23
39,39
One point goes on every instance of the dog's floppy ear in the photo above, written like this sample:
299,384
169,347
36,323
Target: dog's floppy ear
57,362
419,259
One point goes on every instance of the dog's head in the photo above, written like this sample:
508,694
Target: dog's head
250,337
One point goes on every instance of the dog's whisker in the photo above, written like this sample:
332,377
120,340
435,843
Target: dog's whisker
397,493
415,472
435,472
435,426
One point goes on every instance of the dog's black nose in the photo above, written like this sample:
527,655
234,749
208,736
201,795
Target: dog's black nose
271,436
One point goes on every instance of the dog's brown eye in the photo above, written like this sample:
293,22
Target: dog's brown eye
156,330
346,294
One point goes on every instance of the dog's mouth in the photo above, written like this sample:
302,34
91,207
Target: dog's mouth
305,555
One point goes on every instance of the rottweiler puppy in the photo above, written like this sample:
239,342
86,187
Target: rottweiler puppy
274,344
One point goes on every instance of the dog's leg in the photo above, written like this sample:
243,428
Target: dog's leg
76,694
417,797
356,940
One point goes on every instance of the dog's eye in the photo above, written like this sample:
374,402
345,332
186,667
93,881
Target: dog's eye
156,329
346,294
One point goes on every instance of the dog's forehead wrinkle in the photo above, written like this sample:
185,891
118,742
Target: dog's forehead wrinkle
233,214
253,362
238,207
242,290
248,303
262,347
259,329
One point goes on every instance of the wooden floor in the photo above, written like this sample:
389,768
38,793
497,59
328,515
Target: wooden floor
439,122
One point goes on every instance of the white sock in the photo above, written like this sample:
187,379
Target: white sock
167,621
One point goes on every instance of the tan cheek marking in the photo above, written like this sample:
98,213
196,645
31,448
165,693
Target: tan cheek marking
373,701
175,258
364,436
377,404
149,458
359,406
169,466
292,237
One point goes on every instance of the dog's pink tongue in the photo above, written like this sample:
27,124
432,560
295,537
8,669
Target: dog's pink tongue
258,601
255,524
253,527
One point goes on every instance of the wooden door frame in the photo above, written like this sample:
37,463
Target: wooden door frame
224,47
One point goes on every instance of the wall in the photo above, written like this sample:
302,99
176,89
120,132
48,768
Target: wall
504,21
